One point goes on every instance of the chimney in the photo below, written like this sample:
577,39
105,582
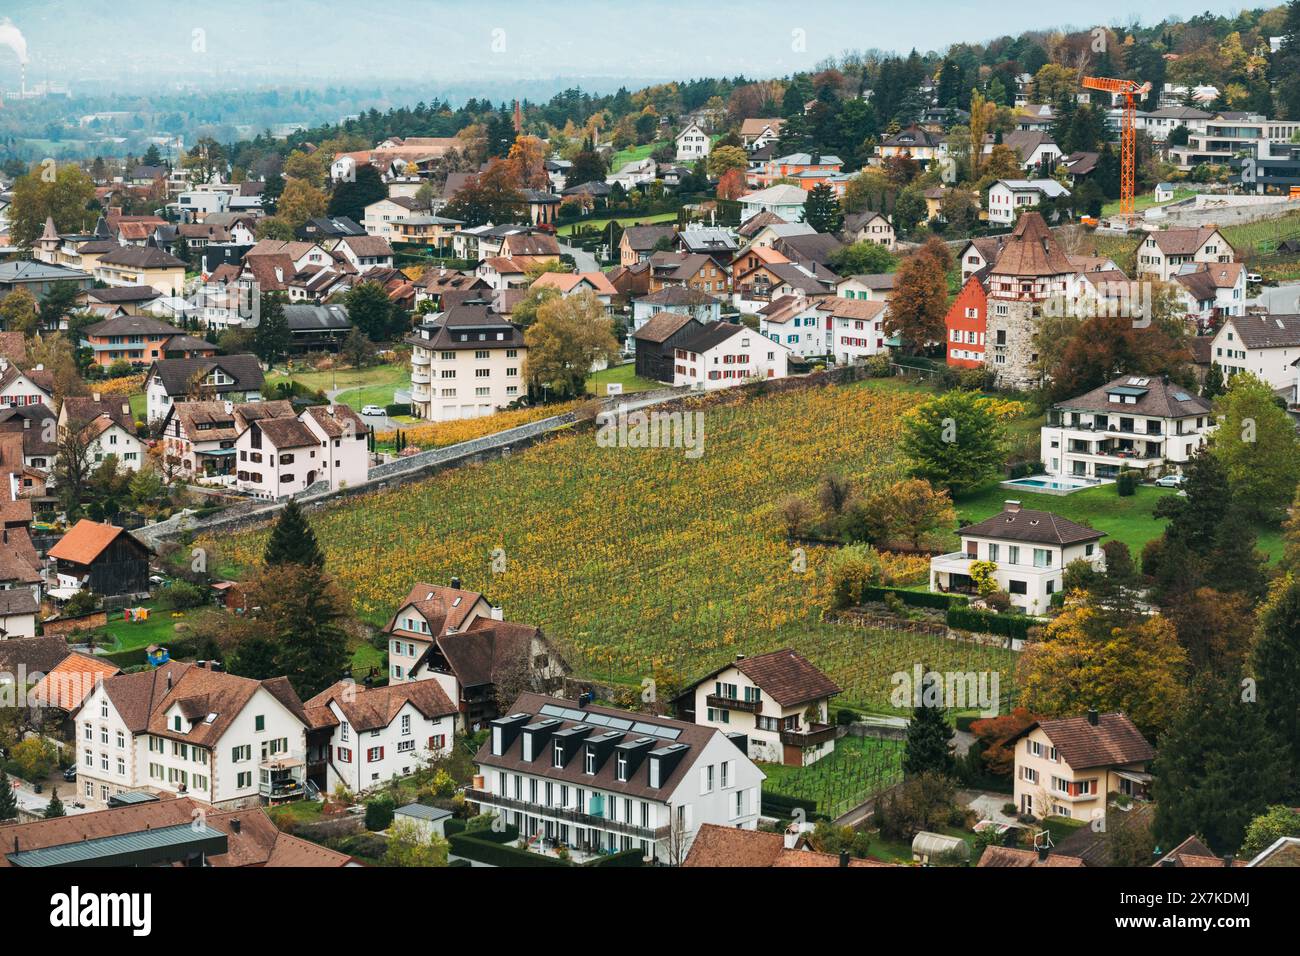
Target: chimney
95,396
844,857
1227,860
230,407
455,583
27,423
1042,853
169,680
1011,506
1093,716
739,658
236,826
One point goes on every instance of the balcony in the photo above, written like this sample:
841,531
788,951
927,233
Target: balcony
417,359
486,799
811,736
732,703
283,778
420,378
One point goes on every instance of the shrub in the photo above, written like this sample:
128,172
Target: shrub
81,604
1006,625
1126,483
379,813
181,595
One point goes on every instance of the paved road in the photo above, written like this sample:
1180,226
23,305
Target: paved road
584,261
380,423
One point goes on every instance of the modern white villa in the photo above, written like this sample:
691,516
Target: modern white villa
1029,551
1143,423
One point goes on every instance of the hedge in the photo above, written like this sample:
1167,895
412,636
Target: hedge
915,598
623,858
396,409
474,847
1006,625
782,806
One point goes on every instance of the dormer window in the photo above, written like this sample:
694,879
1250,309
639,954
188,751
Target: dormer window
558,759
621,767
590,765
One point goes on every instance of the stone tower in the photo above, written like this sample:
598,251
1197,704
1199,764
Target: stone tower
1030,269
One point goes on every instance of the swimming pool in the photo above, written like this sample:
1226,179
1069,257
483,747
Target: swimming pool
1052,484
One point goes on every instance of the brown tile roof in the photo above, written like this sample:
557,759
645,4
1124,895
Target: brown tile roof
1266,331
694,737
19,563
1032,250
866,310
788,677
645,238
661,326
79,408
481,652
530,244
85,541
1007,856
1160,399
286,433
567,281
33,654
374,708
333,419
719,846
258,842
1182,242
1112,742
1192,852
1037,527
13,346
72,680
201,691
441,606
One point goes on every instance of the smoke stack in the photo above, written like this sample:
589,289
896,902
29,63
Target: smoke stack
844,857
235,825
1042,853
1093,717
455,583
1011,506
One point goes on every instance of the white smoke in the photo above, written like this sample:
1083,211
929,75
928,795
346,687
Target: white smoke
13,38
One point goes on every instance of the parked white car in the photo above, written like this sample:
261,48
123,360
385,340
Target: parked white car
1169,481
372,410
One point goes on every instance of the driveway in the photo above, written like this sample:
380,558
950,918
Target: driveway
584,261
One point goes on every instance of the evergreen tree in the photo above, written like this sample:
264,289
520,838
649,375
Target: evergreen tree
293,541
1275,664
271,336
1213,385
822,210
8,802
303,614
929,735
55,807
1218,767
350,198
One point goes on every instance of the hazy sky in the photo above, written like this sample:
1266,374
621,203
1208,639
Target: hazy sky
240,42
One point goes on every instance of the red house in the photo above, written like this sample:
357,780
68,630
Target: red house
966,322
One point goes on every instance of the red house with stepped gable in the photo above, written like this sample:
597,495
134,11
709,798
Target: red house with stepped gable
966,322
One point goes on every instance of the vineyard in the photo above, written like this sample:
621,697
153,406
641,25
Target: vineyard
840,781
642,562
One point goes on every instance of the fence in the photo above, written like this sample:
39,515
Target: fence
66,625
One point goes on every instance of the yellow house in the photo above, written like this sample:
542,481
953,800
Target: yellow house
142,265
1069,767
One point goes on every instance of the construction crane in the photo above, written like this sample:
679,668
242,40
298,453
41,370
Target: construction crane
1130,90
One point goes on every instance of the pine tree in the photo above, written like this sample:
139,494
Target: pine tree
822,210
1275,665
8,802
1218,767
293,541
271,336
929,735
55,807
1213,384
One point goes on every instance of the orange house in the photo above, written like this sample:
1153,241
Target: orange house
967,321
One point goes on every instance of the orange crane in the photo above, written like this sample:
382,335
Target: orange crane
1130,90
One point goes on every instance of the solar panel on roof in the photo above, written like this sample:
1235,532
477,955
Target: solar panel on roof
1182,397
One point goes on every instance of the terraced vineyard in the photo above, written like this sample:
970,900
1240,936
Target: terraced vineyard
642,561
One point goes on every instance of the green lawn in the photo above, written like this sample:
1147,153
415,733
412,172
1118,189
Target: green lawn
631,155
375,382
120,635
626,374
139,406
624,221
1147,201
1123,519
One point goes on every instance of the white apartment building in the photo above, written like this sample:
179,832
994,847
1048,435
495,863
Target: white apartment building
1163,253
465,363
194,730
779,701
365,736
278,455
1267,346
723,354
1029,551
600,780
1212,290
1142,423
1228,135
